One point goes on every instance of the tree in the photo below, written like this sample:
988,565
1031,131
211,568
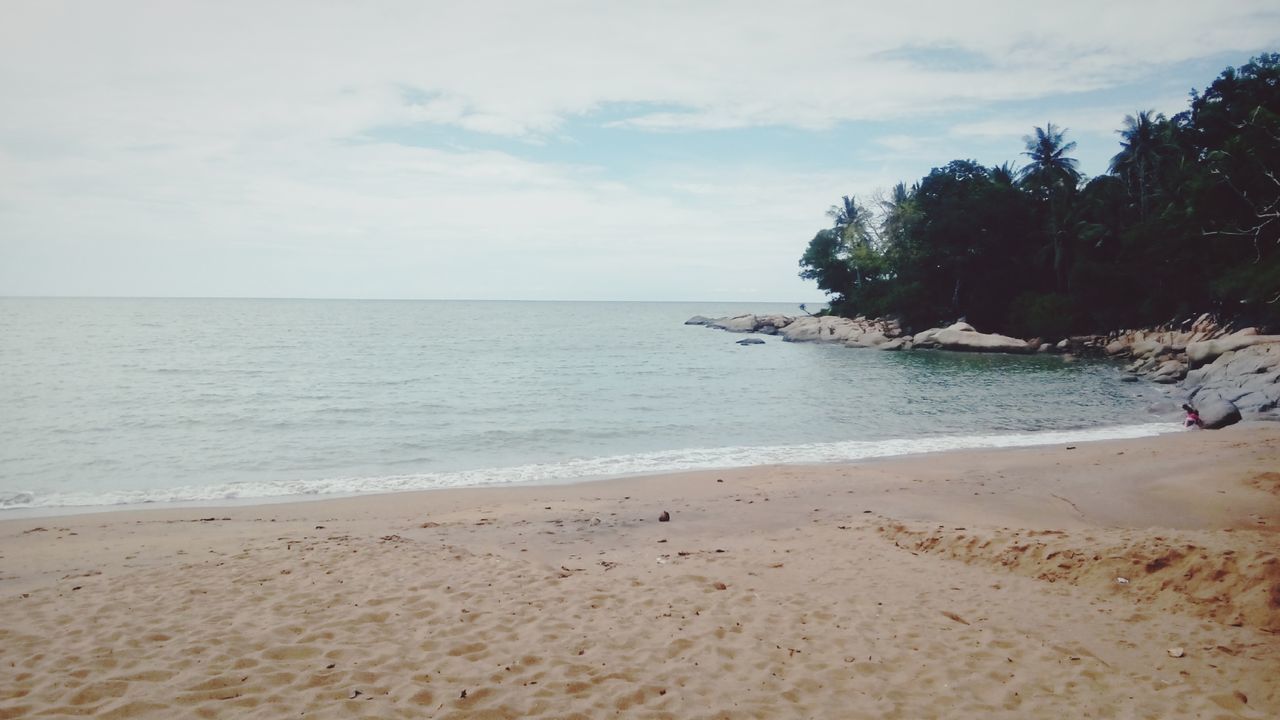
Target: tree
851,224
1143,144
1052,176
826,260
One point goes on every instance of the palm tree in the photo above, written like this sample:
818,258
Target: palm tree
1053,176
1005,174
850,223
1050,168
1141,147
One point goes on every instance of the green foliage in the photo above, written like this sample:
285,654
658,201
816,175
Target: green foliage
1049,316
1187,219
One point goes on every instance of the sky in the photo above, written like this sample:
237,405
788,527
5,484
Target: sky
534,149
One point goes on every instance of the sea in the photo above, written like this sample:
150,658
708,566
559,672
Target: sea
116,403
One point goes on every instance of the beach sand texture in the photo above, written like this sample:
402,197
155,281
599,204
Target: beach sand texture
959,585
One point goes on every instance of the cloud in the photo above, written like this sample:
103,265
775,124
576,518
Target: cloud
232,148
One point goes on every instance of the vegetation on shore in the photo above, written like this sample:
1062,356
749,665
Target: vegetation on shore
1186,219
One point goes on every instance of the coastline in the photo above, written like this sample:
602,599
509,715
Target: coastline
591,469
957,584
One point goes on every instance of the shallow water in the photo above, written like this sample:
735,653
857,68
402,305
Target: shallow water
109,401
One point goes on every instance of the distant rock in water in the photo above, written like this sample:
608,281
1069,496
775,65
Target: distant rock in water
697,320
751,341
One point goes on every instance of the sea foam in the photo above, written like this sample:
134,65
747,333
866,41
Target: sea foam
573,470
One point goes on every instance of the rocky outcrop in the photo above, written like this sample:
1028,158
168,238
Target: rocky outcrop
1199,353
861,332
1226,374
766,324
963,337
855,332
1248,378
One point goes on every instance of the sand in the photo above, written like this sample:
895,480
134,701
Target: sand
959,585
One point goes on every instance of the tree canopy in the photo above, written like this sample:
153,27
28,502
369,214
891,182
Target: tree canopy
1187,219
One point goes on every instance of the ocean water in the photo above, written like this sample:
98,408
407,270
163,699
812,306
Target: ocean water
107,402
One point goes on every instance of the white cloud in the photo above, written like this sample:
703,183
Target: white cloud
227,148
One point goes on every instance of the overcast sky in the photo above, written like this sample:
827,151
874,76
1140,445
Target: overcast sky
533,149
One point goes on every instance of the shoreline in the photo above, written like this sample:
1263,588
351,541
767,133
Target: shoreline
819,453
964,584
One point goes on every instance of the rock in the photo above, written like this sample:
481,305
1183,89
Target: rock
895,344
1115,347
1249,378
1218,413
697,320
1129,378
872,338
740,323
1044,348
664,517
1063,344
925,339
821,329
1169,371
751,341
962,337
1149,348
773,323
1176,652
1206,351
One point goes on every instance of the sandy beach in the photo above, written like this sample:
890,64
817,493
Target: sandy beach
1125,579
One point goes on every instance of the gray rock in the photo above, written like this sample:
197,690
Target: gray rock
1146,348
697,320
1249,377
751,341
962,337
740,324
1218,413
1206,351
821,329
871,338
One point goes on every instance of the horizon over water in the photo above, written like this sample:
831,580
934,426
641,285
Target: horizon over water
118,401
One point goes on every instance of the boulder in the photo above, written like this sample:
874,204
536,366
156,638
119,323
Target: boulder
1248,377
962,337
1207,351
739,323
827,328
751,341
697,320
901,343
1144,348
1218,413
1169,371
871,338
772,323
925,339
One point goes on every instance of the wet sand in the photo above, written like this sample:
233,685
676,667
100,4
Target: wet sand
1126,579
